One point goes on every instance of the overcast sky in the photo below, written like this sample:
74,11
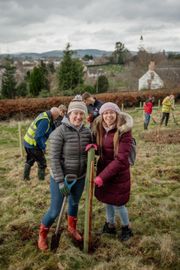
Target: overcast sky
43,25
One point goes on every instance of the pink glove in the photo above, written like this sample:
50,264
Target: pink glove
91,145
98,181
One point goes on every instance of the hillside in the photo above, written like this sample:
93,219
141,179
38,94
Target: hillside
58,53
153,208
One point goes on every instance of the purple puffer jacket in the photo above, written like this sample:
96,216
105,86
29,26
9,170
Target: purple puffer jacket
115,172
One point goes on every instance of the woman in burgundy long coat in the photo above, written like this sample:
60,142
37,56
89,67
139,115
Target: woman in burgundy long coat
112,130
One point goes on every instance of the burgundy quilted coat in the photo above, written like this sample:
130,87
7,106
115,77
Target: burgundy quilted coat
115,172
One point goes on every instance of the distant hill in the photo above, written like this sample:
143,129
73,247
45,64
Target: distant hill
58,53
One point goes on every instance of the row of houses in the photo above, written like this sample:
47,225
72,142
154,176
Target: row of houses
150,80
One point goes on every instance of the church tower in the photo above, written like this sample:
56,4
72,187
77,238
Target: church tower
141,44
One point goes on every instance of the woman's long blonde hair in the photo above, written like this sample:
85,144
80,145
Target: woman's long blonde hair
98,132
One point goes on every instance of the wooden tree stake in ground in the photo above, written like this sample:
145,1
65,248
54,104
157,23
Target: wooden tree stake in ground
20,139
88,201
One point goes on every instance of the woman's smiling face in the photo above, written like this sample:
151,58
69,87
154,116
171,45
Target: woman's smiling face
109,117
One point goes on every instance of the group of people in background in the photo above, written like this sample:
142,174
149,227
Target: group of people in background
108,130
167,106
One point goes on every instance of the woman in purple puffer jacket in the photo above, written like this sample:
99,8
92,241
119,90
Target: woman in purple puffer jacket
112,130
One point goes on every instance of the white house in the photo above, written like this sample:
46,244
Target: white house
150,80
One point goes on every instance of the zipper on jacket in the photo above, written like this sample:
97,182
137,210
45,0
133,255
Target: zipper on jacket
79,154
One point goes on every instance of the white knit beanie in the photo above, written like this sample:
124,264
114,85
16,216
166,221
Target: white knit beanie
77,106
109,106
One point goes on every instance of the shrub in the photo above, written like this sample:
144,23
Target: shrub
32,106
44,93
102,84
79,90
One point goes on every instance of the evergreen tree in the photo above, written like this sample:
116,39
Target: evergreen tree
35,81
8,89
44,70
87,57
70,72
120,54
22,90
102,84
51,67
38,79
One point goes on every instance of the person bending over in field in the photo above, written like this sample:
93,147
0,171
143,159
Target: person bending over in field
35,142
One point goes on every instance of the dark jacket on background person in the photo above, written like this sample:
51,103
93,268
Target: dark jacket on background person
67,150
115,172
58,121
93,109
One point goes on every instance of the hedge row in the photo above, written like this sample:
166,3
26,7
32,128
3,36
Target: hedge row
30,107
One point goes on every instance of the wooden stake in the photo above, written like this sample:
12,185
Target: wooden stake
89,185
159,103
143,111
122,107
20,139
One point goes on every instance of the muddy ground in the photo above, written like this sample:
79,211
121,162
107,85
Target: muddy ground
162,136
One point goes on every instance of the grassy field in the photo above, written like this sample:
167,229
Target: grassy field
153,209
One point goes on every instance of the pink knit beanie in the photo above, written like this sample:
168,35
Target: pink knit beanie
109,106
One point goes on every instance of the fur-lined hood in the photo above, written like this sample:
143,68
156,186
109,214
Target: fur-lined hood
125,127
128,125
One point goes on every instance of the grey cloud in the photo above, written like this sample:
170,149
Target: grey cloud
92,11
113,10
103,21
145,28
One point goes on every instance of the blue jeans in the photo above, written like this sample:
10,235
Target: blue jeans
147,119
121,211
57,199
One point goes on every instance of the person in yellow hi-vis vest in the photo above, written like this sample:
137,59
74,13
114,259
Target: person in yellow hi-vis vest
35,142
167,105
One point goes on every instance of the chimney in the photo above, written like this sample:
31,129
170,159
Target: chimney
151,66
